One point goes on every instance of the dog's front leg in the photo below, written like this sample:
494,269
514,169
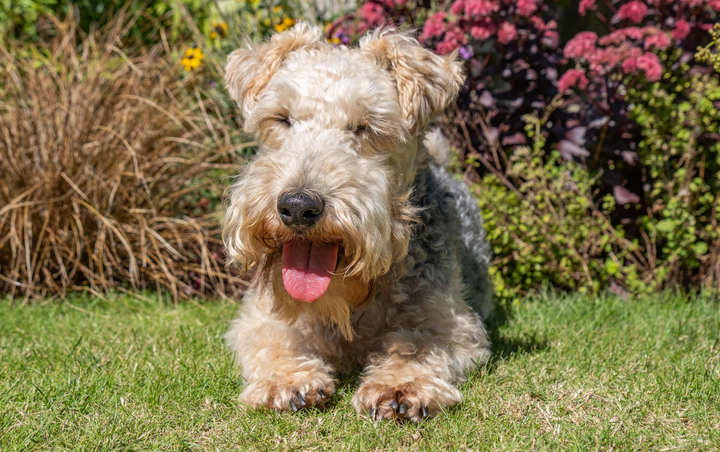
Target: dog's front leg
281,369
414,377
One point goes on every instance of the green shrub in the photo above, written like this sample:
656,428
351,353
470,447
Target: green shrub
27,19
548,220
543,223
680,122
19,18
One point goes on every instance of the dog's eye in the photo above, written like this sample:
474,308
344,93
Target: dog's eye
284,120
358,129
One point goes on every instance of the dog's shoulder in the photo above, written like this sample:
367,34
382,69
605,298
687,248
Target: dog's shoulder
435,240
450,232
445,201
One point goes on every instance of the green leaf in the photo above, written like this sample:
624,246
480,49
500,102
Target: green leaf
611,267
700,248
665,226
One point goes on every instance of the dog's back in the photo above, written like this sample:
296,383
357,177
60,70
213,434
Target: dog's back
465,221
474,250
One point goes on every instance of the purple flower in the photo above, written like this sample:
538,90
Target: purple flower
466,52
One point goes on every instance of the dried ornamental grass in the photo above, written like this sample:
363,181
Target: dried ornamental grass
100,154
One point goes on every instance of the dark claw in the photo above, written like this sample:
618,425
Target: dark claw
394,405
403,409
372,413
321,393
293,406
424,411
301,399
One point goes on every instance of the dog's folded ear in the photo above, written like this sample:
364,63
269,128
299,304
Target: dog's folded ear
426,82
248,70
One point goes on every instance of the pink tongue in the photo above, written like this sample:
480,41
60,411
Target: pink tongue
307,268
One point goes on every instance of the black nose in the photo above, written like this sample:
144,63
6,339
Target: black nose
301,208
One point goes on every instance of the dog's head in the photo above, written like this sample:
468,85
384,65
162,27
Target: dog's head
322,210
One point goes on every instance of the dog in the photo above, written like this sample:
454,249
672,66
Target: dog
364,252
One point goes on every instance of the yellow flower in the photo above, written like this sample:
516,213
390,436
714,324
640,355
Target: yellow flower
219,30
286,23
277,9
193,58
334,40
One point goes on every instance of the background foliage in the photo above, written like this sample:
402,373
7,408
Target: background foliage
588,130
117,142
592,149
104,157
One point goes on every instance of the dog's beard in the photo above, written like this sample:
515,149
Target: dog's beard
372,241
334,308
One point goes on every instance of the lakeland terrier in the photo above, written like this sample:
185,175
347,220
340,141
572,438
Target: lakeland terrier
365,252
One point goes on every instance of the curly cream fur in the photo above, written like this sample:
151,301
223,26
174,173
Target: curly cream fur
406,300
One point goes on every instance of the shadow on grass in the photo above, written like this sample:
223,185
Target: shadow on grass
505,347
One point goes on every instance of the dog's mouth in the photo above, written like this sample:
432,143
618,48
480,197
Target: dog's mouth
307,268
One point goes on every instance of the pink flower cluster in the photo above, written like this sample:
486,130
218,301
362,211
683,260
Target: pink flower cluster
582,44
454,38
617,51
373,14
435,25
573,78
634,11
481,20
585,6
630,48
639,29
475,9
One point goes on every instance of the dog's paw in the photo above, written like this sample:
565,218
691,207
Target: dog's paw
407,401
289,395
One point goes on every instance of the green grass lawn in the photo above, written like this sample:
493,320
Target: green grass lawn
570,373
